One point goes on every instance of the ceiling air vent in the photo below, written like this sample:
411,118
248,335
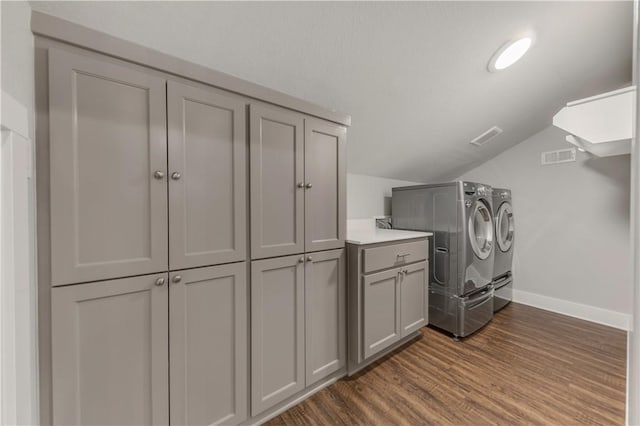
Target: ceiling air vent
559,156
486,136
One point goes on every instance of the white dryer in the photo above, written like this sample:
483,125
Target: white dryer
503,256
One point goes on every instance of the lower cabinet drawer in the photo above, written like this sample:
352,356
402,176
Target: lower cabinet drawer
394,255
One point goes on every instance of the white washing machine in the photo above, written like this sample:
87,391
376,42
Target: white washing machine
503,257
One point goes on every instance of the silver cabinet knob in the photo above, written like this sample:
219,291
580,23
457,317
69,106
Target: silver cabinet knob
301,260
159,282
175,175
176,278
309,258
309,186
158,174
300,184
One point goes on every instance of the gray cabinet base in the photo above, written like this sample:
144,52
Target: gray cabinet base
353,367
295,399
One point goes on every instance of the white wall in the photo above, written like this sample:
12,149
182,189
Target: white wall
17,54
369,196
572,228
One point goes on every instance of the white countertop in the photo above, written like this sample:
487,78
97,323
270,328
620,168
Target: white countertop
363,231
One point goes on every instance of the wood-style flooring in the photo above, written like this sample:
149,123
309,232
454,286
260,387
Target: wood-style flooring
528,366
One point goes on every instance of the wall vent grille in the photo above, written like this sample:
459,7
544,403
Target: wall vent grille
486,136
559,156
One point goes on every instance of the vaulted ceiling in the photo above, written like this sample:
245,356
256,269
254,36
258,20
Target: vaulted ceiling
412,75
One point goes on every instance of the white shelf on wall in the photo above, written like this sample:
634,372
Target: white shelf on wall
601,124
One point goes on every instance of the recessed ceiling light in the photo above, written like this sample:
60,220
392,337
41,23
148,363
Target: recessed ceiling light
510,53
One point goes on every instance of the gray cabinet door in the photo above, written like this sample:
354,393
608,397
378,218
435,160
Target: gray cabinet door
325,185
413,296
277,330
207,177
208,352
325,314
381,310
277,182
108,139
110,352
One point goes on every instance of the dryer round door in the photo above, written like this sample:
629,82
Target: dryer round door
504,227
481,230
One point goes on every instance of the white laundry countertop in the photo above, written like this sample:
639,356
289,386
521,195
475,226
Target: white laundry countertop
363,231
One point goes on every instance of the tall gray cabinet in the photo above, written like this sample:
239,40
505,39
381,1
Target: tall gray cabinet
158,306
298,215
147,176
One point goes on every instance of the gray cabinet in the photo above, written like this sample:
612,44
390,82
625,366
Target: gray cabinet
298,183
325,182
110,352
118,138
414,307
108,162
388,297
111,349
298,324
381,310
207,184
277,182
325,314
277,330
143,235
208,349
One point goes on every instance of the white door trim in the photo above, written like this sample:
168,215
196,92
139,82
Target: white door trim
633,338
18,306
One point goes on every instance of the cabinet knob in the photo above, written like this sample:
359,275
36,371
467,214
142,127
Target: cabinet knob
175,175
300,184
309,259
160,282
176,278
309,186
301,260
158,174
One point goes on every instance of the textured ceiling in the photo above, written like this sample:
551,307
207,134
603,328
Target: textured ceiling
412,75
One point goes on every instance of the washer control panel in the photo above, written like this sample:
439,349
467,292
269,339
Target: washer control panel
483,191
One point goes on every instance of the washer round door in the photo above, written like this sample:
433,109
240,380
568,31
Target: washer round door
504,227
481,230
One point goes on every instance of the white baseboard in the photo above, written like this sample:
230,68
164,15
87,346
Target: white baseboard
572,309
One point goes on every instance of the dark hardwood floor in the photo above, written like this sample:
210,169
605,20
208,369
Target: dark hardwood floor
528,366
